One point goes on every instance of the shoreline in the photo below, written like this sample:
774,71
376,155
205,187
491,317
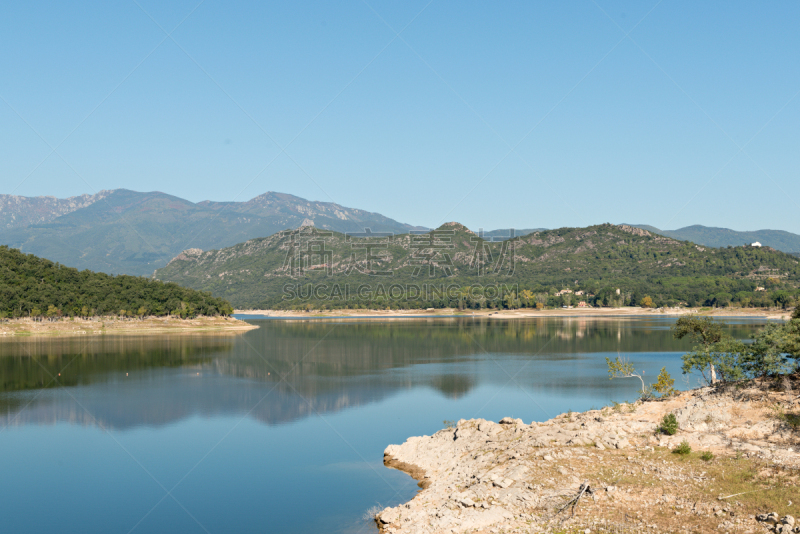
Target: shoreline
526,313
17,328
483,477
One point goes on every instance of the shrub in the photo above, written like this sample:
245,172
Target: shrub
669,424
449,424
683,449
663,385
707,456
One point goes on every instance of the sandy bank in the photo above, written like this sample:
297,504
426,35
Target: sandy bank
485,477
148,325
522,313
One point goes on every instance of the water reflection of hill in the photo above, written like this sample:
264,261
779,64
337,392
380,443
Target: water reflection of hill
32,363
328,367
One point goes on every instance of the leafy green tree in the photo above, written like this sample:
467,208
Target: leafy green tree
705,331
700,329
647,302
722,360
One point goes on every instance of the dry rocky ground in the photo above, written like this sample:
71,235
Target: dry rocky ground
106,325
618,469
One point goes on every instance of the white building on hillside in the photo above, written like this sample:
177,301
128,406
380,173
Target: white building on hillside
756,244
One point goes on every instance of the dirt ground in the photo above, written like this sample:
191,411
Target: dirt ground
104,325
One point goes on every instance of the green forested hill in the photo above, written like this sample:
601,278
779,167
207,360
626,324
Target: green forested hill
328,269
31,286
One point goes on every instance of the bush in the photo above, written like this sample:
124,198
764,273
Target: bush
665,383
707,456
683,449
669,424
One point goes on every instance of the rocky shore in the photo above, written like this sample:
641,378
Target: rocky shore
613,470
117,325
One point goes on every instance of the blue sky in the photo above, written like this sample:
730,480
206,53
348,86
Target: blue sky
505,114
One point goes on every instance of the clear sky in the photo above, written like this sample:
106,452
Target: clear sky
494,114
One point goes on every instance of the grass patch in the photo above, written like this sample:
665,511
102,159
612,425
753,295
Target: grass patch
683,449
791,419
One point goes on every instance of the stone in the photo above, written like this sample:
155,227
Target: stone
506,421
388,516
466,502
788,520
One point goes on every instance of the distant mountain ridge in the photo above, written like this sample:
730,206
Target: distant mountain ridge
18,212
724,237
128,232
618,262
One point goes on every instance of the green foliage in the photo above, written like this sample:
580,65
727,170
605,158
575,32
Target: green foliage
700,329
669,424
683,449
647,302
707,456
29,284
767,354
720,361
717,356
254,274
619,368
727,359
664,384
449,424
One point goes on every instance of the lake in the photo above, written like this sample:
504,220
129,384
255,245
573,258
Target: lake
281,429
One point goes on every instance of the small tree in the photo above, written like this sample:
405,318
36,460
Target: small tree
622,368
718,361
669,424
664,384
703,330
647,302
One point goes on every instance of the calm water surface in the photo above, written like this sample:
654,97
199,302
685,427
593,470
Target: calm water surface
281,429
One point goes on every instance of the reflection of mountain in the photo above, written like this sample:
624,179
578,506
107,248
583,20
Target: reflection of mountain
33,363
328,367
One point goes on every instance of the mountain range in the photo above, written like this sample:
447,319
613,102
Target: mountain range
123,231
127,232
619,264
724,237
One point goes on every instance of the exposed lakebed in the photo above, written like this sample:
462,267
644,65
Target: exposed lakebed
197,433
